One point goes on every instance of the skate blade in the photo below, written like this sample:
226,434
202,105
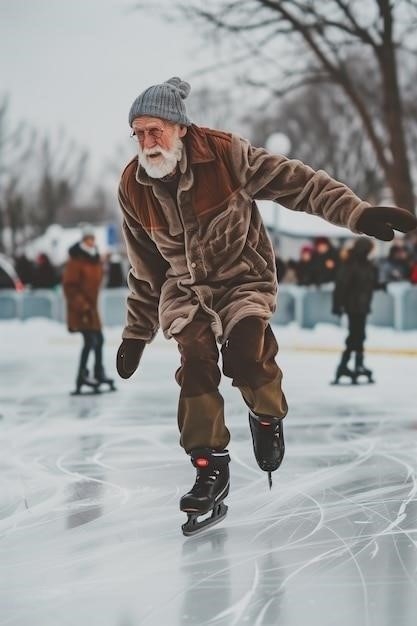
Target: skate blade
349,383
193,525
363,380
90,392
110,386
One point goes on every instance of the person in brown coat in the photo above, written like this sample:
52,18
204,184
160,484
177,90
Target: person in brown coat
203,270
81,282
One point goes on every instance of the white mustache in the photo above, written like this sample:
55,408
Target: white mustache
170,159
150,151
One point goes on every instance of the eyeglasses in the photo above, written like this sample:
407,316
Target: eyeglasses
155,132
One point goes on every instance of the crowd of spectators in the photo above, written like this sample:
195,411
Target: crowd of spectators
42,274
319,262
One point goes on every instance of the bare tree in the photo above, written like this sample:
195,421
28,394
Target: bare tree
39,178
325,132
61,167
214,107
291,43
16,144
13,210
98,208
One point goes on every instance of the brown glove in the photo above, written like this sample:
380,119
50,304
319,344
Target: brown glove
128,356
381,221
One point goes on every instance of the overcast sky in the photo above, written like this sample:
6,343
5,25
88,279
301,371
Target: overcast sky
79,64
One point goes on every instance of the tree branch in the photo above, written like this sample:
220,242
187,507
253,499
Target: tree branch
340,75
358,29
279,93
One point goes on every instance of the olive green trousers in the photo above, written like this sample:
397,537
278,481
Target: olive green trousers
248,359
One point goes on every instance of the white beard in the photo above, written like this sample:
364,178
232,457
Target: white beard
167,163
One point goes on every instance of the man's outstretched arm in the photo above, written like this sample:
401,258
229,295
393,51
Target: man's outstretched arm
300,188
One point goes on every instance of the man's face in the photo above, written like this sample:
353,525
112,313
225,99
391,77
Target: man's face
89,241
159,145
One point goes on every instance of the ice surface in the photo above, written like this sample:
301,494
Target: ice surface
89,518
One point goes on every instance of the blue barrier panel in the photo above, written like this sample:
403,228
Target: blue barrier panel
316,307
113,306
307,306
39,303
9,305
382,309
409,309
285,312
60,306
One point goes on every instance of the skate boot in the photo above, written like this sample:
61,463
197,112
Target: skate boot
343,370
268,442
360,369
102,379
209,490
83,378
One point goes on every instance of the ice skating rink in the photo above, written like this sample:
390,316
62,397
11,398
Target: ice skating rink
89,519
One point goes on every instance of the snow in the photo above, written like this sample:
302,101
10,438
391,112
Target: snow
89,518
57,240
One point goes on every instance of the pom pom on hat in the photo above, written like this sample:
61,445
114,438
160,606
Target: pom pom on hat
183,87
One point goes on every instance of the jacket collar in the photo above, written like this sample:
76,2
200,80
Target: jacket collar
197,151
197,145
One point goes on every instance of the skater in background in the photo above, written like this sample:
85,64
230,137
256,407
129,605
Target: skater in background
44,276
81,282
203,269
355,283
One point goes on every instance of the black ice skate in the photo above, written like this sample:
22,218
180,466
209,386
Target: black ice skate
209,490
361,370
268,442
343,371
83,379
102,379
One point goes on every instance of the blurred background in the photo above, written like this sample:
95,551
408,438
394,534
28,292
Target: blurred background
331,83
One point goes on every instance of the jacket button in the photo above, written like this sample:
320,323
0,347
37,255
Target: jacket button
193,264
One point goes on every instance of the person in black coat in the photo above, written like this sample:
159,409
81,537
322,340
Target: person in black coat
44,274
305,268
355,283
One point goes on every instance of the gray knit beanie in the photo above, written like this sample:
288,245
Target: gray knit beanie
165,101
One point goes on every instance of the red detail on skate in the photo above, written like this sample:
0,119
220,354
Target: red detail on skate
265,423
201,462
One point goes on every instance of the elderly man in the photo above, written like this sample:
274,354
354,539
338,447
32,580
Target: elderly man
203,270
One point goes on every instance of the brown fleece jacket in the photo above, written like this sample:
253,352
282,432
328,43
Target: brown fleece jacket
81,284
210,249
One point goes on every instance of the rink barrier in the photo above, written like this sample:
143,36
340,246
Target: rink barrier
306,306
